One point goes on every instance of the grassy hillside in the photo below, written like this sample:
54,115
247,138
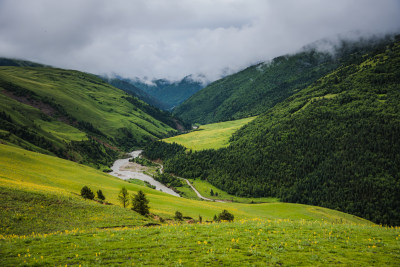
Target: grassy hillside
73,115
209,136
38,173
258,88
44,222
248,242
333,144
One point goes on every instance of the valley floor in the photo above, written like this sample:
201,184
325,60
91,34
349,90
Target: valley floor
44,222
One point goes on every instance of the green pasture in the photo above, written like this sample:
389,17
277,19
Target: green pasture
210,136
36,173
254,242
81,95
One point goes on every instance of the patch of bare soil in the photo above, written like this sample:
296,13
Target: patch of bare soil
45,108
133,166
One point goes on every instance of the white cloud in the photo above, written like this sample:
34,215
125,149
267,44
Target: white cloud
174,38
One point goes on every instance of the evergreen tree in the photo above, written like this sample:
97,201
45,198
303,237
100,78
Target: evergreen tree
140,203
211,192
87,193
123,197
100,195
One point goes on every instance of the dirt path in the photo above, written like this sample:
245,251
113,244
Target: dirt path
199,195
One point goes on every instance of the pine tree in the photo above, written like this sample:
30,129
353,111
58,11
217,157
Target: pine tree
140,203
100,195
123,197
87,193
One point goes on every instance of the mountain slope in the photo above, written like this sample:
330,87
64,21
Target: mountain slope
135,91
73,115
258,88
170,93
20,63
44,222
334,144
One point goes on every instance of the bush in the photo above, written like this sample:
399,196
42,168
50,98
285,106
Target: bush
225,216
87,193
178,216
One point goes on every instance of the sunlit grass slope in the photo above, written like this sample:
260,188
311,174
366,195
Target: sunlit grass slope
244,243
36,173
44,222
74,115
86,98
209,136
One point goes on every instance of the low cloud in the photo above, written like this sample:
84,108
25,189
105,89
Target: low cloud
175,38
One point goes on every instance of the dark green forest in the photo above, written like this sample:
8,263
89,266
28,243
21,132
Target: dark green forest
258,88
333,144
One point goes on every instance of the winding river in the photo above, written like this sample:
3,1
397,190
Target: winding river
119,170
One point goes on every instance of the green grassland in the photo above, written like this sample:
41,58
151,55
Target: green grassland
43,221
37,173
253,242
73,115
86,98
210,136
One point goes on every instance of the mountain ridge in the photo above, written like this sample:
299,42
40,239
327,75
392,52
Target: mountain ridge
257,88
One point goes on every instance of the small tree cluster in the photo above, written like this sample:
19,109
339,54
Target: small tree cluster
87,193
178,216
224,216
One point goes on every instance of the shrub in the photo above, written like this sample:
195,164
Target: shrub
225,216
178,216
87,193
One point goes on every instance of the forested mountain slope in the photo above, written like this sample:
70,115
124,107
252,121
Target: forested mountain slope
74,115
334,144
258,88
170,93
135,91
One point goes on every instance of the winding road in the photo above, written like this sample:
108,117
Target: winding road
198,194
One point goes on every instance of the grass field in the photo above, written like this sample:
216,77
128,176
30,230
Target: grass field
45,109
43,221
252,242
210,136
37,173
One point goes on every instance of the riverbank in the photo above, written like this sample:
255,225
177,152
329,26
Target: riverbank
126,170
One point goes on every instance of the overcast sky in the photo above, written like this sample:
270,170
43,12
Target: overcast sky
174,38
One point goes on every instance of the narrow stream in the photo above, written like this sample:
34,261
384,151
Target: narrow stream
120,164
